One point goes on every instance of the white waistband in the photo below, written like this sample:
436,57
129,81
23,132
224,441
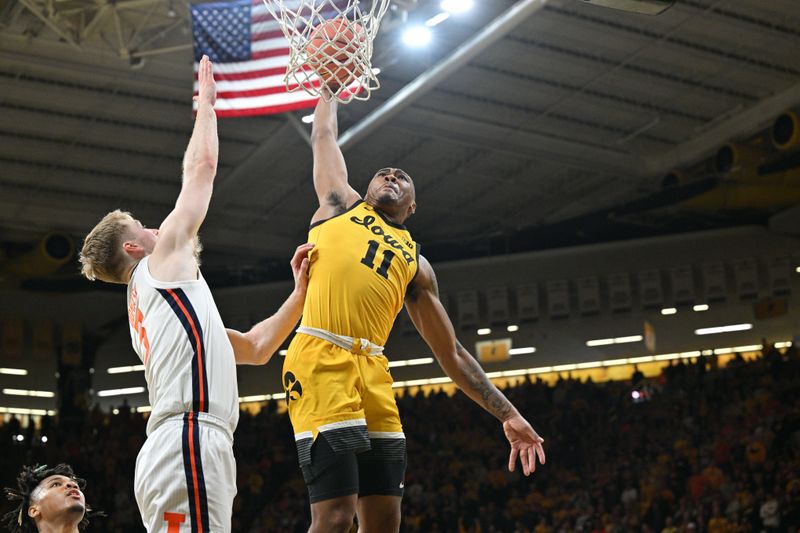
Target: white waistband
355,345
204,418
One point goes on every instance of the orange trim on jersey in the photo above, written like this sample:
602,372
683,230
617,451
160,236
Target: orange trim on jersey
199,348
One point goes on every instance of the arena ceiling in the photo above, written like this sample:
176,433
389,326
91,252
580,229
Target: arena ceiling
543,138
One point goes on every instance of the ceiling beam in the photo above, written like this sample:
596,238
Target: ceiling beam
521,143
495,30
61,32
99,17
254,167
736,127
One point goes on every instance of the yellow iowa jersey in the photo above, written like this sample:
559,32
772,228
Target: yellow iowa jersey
360,268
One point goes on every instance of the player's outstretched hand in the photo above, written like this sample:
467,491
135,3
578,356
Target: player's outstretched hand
300,268
525,444
206,86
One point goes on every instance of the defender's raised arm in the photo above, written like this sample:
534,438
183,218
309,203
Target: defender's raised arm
172,258
330,171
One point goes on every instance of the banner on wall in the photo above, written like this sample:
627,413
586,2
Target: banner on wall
13,338
42,345
71,344
649,337
494,351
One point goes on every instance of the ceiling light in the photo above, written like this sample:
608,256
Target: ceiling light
14,371
376,71
308,119
437,19
417,36
44,439
457,6
512,328
630,338
599,342
283,352
521,351
36,393
411,362
484,331
420,361
615,340
257,398
125,369
723,329
120,392
700,307
24,411
669,311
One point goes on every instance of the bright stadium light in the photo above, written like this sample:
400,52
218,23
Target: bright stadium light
723,329
669,311
512,328
124,369
120,392
14,371
437,19
417,36
457,6
25,392
484,331
700,307
308,119
629,338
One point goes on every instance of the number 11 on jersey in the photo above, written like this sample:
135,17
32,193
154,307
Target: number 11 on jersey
369,259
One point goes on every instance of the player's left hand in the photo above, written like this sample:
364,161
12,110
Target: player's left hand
300,264
525,444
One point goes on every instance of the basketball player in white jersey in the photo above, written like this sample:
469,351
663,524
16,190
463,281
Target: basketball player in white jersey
185,473
48,500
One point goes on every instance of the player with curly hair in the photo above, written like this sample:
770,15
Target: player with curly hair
50,500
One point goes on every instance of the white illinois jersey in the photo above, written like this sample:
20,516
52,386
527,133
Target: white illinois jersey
178,334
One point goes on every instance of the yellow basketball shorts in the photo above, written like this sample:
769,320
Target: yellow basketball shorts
344,396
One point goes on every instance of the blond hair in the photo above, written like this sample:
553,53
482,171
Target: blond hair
102,256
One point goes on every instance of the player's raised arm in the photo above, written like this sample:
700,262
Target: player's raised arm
431,320
172,258
257,346
330,171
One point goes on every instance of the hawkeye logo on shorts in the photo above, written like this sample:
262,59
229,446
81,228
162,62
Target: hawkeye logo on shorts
292,387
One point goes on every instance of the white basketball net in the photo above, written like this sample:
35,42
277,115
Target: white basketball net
342,32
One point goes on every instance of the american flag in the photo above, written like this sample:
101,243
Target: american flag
250,55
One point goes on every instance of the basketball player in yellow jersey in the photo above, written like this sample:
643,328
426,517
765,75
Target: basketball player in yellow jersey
364,266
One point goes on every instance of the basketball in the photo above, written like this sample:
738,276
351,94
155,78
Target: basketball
331,50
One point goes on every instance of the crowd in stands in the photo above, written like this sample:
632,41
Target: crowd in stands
698,449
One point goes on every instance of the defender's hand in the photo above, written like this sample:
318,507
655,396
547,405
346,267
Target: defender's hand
300,264
206,86
525,444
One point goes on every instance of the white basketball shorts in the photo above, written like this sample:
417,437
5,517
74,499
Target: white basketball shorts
180,458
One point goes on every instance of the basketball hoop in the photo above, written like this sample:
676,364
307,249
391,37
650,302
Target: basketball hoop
330,44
